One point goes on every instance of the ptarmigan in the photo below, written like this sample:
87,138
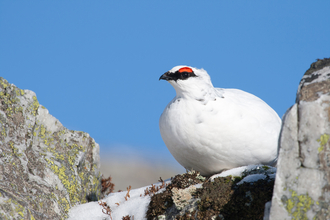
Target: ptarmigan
210,129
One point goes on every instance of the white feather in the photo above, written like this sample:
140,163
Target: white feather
210,129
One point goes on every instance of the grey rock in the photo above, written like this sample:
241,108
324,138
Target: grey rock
301,188
45,169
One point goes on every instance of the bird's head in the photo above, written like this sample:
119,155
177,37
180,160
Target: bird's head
187,80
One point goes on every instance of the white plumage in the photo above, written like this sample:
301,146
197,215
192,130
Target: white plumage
211,129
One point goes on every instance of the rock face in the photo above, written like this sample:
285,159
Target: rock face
45,169
302,185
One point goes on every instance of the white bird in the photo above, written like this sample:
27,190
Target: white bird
211,129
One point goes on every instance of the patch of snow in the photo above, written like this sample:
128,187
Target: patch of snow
254,178
267,210
199,185
136,205
240,171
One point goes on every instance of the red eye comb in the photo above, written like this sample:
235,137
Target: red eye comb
185,69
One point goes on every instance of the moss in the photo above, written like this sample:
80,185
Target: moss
220,199
163,201
266,167
213,196
319,64
248,200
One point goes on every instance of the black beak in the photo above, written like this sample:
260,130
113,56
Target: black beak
166,76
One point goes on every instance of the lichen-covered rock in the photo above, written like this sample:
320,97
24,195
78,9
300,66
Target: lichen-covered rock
303,175
191,196
44,168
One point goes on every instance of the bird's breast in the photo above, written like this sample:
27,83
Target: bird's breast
186,121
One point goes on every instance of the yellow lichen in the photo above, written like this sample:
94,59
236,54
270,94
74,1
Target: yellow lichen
35,105
17,92
19,209
18,109
81,175
42,132
4,83
66,204
59,156
3,132
298,205
323,141
32,218
11,144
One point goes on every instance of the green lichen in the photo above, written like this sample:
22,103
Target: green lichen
298,205
323,140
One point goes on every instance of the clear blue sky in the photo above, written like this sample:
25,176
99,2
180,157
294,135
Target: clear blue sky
95,65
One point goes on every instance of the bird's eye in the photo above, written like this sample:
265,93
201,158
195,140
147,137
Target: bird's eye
185,75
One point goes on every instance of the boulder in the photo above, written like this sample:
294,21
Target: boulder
302,185
45,169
